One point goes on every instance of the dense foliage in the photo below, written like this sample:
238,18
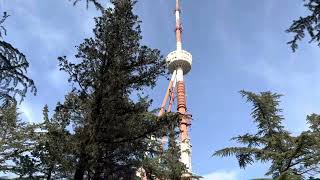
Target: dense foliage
116,130
290,155
16,138
104,128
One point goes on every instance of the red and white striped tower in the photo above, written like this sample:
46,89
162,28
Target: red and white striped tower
179,64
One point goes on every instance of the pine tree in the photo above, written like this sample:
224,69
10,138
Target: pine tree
16,136
115,131
165,163
13,67
307,25
96,3
53,149
16,141
173,168
290,156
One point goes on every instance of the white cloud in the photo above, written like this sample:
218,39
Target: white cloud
221,175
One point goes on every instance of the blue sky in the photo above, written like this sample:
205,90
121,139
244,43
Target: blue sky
235,45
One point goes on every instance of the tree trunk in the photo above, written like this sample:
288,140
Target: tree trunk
81,167
50,173
98,168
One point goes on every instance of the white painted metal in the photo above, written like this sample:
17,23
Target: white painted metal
185,147
175,80
179,46
177,16
179,74
173,77
178,25
179,58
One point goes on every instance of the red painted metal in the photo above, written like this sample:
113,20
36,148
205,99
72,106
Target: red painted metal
162,109
164,102
182,108
171,99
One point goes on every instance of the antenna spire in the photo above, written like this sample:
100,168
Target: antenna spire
179,64
178,26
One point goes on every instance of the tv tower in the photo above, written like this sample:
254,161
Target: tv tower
179,64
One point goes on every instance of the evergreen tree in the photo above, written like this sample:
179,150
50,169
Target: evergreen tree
165,163
290,156
54,148
307,25
114,131
100,131
16,136
16,141
96,3
13,68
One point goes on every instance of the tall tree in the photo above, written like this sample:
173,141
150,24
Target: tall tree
116,130
54,145
13,68
290,156
307,25
16,140
16,136
165,163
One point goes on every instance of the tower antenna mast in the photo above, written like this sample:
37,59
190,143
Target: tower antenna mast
178,26
179,64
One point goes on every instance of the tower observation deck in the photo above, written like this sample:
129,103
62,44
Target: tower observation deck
179,59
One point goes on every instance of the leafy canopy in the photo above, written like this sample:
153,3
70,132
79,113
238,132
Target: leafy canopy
117,131
290,156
